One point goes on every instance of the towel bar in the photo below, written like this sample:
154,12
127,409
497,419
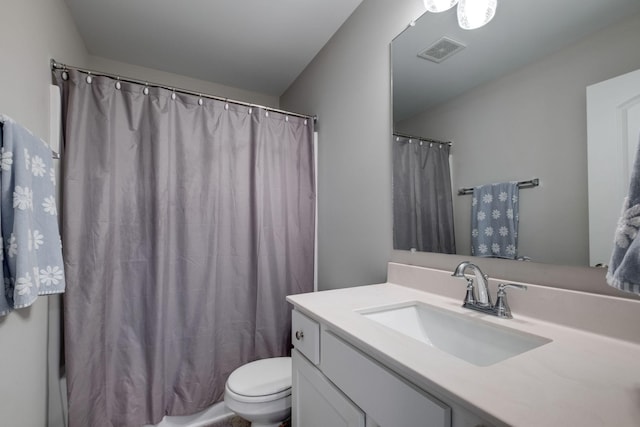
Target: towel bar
521,184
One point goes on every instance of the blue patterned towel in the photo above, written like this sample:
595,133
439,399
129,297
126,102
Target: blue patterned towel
494,220
32,254
624,267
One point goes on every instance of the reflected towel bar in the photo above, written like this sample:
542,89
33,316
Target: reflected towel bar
521,184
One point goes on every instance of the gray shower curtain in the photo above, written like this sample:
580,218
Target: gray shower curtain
184,228
422,197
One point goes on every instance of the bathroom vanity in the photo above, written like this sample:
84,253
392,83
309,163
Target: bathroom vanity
405,353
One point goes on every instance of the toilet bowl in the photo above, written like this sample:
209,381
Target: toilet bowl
260,391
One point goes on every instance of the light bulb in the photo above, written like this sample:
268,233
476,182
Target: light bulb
439,5
474,14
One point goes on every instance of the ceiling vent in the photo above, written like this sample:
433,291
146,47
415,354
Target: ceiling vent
441,50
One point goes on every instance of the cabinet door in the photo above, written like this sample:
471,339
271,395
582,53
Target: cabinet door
387,398
316,402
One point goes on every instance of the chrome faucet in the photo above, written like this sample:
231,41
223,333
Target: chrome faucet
483,298
483,301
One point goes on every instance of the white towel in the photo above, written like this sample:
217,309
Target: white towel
32,254
624,267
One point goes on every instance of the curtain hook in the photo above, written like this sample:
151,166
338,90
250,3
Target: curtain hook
118,84
266,113
173,94
305,122
200,101
146,88
89,78
65,73
286,118
250,110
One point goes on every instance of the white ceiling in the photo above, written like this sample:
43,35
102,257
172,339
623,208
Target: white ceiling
521,32
255,45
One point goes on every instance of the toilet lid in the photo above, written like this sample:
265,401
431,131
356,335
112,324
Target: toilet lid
261,378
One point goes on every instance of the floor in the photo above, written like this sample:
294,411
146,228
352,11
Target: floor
236,421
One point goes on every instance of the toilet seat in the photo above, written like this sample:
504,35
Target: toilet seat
261,381
256,399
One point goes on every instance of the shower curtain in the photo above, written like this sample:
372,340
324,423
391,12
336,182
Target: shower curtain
422,198
186,222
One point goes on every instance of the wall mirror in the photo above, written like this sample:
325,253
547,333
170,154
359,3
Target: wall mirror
512,101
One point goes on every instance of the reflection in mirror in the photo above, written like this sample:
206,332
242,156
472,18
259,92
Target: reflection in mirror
513,103
422,202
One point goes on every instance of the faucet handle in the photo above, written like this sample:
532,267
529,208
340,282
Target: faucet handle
470,296
503,286
502,306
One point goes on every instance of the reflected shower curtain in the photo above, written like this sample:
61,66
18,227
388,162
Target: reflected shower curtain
184,228
422,198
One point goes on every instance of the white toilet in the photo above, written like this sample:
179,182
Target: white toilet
260,391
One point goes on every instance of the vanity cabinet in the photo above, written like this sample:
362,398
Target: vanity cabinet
315,401
339,385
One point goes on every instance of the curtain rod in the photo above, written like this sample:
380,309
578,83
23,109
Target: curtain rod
420,138
59,66
521,184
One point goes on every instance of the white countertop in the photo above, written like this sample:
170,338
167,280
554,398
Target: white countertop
579,379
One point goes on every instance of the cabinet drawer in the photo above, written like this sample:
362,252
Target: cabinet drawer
305,336
387,398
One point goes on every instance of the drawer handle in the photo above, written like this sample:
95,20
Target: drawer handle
299,335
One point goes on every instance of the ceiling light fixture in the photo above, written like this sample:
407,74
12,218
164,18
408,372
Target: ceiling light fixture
472,14
437,6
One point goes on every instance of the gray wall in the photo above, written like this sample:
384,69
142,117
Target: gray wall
32,32
532,123
347,85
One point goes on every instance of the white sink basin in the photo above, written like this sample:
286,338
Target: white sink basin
470,339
